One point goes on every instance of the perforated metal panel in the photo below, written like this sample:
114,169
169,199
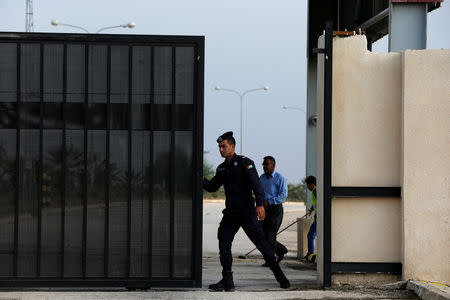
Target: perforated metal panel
100,160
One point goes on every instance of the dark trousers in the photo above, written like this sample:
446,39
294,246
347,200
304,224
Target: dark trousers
271,225
228,228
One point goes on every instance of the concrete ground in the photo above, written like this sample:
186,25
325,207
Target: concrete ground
252,281
212,214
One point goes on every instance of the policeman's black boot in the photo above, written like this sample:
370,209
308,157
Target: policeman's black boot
280,277
226,284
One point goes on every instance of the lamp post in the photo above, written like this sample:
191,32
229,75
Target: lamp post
241,96
312,119
128,25
56,23
294,107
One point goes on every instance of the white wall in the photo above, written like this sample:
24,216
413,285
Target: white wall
366,115
426,165
391,127
320,127
366,230
365,151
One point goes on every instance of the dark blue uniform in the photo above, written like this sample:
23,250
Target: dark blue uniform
239,178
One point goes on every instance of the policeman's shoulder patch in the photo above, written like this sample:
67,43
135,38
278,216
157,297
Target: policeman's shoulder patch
246,162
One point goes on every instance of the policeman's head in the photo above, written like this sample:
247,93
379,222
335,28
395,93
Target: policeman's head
226,145
310,182
268,165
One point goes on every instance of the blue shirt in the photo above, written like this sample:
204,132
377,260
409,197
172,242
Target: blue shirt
275,188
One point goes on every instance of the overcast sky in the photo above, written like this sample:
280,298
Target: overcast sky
249,44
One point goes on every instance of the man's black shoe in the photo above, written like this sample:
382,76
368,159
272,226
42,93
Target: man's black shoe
217,287
226,284
281,256
265,265
280,277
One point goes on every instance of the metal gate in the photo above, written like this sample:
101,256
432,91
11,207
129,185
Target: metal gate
101,145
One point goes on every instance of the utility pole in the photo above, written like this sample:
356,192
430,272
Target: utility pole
29,16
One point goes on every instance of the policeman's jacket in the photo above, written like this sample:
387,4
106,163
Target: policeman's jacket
239,178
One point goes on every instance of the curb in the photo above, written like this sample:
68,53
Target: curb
429,291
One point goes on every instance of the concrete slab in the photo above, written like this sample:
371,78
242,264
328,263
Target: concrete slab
252,282
212,214
112,295
249,275
429,290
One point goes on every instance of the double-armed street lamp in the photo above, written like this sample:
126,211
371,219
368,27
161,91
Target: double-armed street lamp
128,25
241,96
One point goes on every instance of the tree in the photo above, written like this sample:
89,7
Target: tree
209,172
297,192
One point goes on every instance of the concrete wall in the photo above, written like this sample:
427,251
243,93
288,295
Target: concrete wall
366,115
426,165
365,151
320,127
303,226
311,129
391,127
366,230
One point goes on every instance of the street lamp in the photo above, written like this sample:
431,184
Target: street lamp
312,119
128,25
56,23
294,107
241,95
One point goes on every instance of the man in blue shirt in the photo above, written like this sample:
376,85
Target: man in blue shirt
275,189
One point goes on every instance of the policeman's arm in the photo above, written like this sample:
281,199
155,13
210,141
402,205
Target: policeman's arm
213,184
255,182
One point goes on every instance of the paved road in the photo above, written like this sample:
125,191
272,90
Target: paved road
212,214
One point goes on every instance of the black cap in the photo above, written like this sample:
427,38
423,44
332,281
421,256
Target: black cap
225,136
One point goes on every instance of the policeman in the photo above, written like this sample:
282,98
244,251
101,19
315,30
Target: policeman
239,177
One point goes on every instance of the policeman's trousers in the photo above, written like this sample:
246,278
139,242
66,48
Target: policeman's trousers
228,228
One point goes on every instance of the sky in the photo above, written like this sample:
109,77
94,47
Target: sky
248,44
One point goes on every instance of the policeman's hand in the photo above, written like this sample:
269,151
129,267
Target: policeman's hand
260,212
